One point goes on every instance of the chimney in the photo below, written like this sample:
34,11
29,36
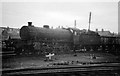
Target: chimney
58,26
102,30
29,23
52,27
46,26
96,30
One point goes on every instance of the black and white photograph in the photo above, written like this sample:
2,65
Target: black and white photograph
60,38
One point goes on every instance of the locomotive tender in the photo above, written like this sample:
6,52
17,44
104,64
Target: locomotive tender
39,41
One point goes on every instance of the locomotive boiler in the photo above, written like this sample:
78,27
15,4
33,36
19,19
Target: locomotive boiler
36,33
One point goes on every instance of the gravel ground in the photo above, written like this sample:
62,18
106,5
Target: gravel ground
27,62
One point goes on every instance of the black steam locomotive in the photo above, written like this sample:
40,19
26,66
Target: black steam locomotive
39,41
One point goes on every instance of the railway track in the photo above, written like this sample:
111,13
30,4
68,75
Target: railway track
106,70
7,53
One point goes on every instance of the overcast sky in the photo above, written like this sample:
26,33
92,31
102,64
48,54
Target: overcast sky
104,14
